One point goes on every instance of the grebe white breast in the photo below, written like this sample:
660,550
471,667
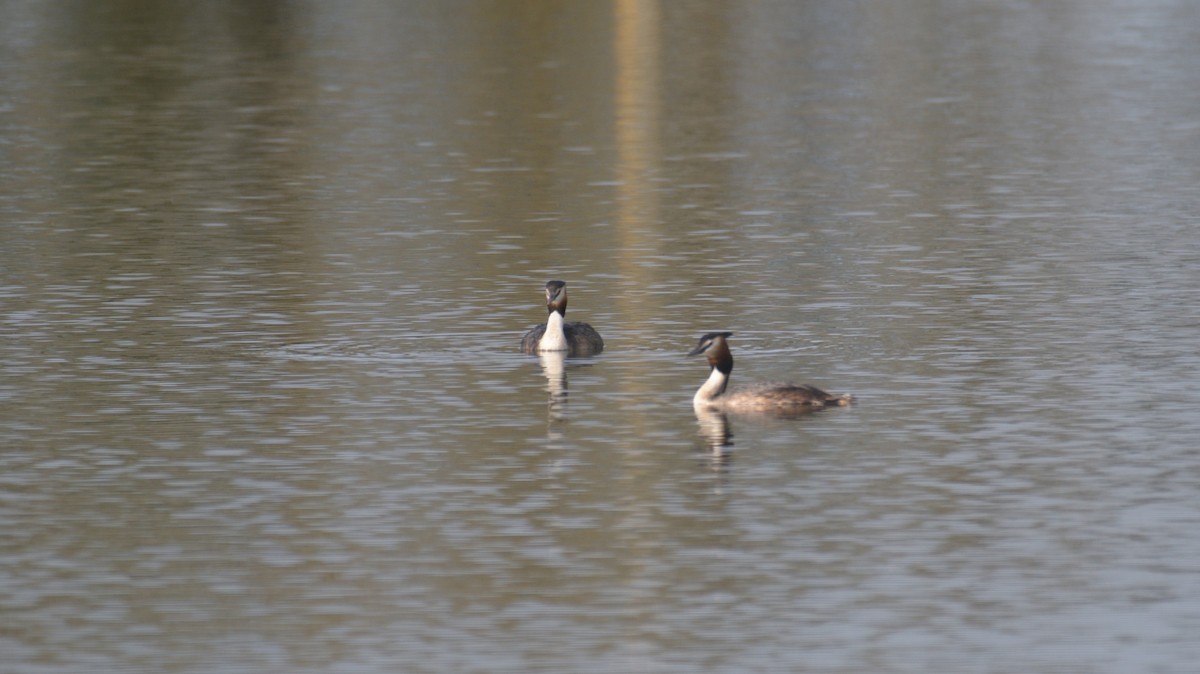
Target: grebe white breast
557,333
767,397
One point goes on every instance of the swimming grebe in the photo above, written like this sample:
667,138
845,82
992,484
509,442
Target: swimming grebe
772,397
558,334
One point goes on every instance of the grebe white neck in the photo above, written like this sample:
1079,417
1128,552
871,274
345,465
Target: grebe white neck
712,387
554,339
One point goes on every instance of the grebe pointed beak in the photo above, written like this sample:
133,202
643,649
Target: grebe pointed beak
700,349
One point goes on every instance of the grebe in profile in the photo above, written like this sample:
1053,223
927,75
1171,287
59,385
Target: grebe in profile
558,334
772,397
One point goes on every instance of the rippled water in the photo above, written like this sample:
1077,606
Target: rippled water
263,273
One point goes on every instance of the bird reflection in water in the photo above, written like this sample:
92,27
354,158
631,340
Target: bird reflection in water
717,431
555,368
714,429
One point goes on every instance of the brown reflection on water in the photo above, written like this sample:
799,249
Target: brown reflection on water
639,146
638,45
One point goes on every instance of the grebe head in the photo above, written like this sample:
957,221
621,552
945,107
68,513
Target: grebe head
556,297
717,349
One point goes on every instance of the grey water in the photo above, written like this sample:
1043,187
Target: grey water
264,268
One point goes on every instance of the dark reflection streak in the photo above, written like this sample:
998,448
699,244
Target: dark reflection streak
136,161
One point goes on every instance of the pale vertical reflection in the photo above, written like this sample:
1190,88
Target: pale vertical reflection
638,151
638,110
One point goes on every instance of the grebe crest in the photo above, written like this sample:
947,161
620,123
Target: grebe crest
557,333
766,397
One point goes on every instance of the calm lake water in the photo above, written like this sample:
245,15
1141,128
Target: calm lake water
264,268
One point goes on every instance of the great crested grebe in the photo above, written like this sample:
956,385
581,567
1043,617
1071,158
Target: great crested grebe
770,397
558,334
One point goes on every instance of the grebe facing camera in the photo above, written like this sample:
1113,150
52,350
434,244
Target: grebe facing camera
558,334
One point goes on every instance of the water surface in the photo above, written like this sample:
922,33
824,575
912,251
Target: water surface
264,271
